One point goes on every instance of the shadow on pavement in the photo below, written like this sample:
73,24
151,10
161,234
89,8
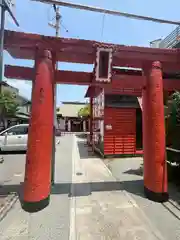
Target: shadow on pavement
12,153
9,189
85,152
138,171
135,187
81,189
2,199
82,135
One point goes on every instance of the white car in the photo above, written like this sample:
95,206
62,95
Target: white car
14,138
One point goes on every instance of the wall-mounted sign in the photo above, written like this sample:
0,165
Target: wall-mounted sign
108,127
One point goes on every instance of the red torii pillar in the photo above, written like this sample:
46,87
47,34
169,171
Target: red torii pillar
37,181
155,169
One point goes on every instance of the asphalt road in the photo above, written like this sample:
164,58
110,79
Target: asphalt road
19,224
12,168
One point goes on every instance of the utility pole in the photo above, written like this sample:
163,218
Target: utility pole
3,13
4,7
56,26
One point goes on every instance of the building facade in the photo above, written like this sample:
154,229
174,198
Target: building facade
170,41
117,124
69,119
23,112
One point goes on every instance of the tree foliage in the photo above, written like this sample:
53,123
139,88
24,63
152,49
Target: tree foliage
85,111
173,121
8,105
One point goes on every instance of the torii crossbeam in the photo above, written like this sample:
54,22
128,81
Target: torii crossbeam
121,80
24,45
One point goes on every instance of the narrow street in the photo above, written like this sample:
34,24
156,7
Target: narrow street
87,201
11,175
40,225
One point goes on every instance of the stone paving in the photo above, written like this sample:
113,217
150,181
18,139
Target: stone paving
102,209
89,203
165,217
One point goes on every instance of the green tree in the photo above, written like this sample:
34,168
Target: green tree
85,111
173,120
8,106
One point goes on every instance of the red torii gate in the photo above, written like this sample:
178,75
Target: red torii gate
46,51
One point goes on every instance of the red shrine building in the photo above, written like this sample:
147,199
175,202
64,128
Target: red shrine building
117,120
117,94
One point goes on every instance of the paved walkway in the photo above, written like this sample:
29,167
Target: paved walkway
165,217
94,206
102,210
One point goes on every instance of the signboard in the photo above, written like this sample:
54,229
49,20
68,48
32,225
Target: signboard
108,127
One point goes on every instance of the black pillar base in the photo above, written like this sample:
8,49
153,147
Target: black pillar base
156,197
33,207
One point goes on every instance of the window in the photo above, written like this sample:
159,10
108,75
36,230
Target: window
19,130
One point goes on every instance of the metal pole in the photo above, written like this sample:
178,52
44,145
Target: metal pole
3,12
57,27
107,11
4,7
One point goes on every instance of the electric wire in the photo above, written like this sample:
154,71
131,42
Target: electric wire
64,27
49,14
67,30
108,11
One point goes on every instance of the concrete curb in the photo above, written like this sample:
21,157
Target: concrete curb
72,231
10,201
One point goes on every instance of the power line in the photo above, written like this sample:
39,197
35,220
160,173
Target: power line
64,28
6,6
69,31
49,13
108,11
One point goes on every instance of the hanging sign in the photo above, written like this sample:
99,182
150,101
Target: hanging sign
108,127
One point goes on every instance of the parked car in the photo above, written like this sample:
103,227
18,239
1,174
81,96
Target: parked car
58,132
14,138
